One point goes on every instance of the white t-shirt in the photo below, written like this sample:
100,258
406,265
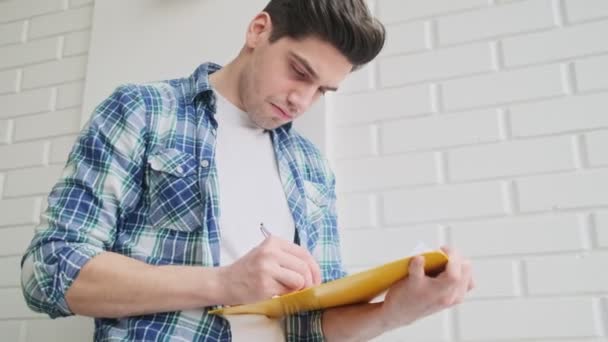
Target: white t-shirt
250,193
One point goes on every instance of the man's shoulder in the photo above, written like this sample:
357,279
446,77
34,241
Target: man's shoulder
314,163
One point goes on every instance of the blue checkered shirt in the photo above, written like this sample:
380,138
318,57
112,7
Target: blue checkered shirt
141,181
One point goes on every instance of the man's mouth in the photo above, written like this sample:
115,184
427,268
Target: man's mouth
282,113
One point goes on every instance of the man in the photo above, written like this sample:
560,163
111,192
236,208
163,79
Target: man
156,217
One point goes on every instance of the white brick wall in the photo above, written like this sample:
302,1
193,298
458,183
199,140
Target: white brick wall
596,145
601,228
592,73
546,274
518,17
43,56
484,124
514,319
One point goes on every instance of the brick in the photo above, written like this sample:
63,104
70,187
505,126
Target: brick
546,274
601,228
60,149
596,148
385,172
8,81
13,305
62,22
21,155
432,328
358,141
69,95
384,245
493,279
11,33
583,10
358,81
518,17
563,191
511,159
6,128
11,330
592,73
378,105
548,46
61,71
36,181
14,241
568,114
48,125
23,9
28,102
28,53
402,10
435,64
527,319
18,211
517,236
443,202
77,43
503,87
439,131
356,211
10,268
78,3
405,38
75,328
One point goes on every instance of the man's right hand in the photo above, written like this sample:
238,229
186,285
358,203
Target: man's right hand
275,267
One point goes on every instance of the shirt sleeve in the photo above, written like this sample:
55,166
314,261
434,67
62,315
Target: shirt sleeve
100,182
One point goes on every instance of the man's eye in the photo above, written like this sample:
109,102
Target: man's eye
299,73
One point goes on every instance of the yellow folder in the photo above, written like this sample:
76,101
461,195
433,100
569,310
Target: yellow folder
356,288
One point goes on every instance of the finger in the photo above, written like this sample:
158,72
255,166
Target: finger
463,288
471,280
453,270
303,254
416,268
293,263
291,280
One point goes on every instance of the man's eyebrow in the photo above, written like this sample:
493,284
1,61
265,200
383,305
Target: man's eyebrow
310,70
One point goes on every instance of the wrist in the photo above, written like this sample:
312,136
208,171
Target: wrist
389,320
209,286
223,285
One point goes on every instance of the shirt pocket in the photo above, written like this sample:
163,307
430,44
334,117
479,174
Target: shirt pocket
173,191
316,201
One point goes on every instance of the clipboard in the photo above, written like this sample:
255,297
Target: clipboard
356,288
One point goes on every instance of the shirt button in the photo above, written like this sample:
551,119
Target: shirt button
180,169
205,163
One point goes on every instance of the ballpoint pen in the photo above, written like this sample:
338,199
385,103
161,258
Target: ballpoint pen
264,230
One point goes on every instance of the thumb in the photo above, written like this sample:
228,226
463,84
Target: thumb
416,267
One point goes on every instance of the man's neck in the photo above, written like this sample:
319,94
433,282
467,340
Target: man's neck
226,81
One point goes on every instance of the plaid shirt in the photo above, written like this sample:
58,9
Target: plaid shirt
141,181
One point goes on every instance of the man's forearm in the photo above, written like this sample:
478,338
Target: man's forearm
360,322
112,285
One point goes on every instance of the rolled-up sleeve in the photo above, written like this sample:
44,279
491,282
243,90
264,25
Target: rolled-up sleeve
101,181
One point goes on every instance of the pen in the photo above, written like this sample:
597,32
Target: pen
265,231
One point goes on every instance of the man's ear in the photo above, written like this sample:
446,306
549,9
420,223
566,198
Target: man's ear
259,30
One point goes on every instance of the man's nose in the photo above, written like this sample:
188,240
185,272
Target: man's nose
301,98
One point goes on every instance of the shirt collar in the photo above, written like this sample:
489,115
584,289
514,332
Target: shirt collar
199,80
199,83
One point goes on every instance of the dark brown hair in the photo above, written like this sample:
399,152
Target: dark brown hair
346,24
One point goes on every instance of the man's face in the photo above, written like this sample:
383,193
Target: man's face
284,78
